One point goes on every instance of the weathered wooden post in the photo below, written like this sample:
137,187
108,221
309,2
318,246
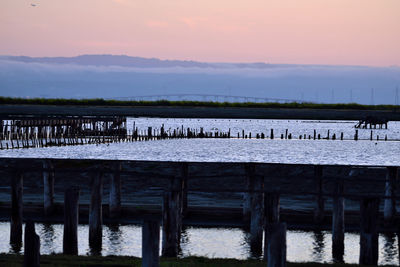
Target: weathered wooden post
389,210
271,207
319,200
71,218
271,215
95,211
48,187
369,214
184,197
172,219
16,210
31,246
257,216
115,192
275,251
150,243
338,227
247,196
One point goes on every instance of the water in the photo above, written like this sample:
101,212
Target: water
346,152
126,240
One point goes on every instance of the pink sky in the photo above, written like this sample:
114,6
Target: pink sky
350,32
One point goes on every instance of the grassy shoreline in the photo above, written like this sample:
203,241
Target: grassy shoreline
166,103
11,260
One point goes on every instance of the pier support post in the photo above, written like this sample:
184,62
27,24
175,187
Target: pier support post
275,251
250,173
369,212
185,173
172,219
389,210
150,243
95,212
115,192
271,215
16,211
48,188
319,200
31,246
338,226
71,218
257,216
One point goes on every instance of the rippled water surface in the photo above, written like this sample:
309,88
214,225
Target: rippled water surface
209,242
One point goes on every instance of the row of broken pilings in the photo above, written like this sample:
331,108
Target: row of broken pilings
260,211
32,141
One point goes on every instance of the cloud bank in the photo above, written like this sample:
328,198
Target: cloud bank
121,76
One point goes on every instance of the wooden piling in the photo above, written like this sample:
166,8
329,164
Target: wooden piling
271,215
247,196
338,226
319,200
271,208
31,246
275,251
71,218
95,212
114,207
184,195
369,214
150,243
389,210
48,188
16,210
257,216
172,219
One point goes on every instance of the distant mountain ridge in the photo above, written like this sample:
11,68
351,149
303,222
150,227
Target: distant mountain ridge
141,62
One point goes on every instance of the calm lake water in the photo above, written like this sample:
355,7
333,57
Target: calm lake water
346,152
209,242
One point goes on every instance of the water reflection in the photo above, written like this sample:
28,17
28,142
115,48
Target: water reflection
318,246
48,236
208,242
114,239
389,247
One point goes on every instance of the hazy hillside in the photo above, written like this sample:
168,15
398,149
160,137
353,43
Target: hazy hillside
110,76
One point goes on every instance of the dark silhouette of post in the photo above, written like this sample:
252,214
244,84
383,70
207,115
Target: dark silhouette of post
48,187
275,251
95,212
319,200
115,192
31,246
389,210
172,218
257,217
150,243
338,226
16,210
247,196
71,218
184,195
369,214
271,215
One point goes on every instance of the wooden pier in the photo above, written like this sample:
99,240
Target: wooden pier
267,185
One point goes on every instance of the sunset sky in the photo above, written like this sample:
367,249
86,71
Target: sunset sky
348,32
